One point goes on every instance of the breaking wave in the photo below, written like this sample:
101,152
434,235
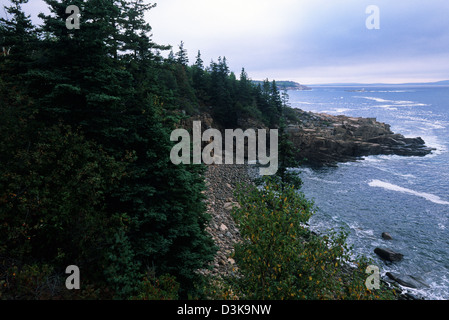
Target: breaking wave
389,186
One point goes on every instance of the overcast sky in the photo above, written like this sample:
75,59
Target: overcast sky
309,41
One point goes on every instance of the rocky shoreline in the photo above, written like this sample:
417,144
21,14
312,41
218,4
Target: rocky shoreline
321,139
221,182
325,140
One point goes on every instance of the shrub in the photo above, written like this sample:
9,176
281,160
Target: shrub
280,258
164,287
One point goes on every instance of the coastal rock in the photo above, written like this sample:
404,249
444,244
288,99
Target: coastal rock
386,236
388,254
408,280
324,139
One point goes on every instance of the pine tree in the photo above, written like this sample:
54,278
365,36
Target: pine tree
287,155
199,62
171,57
199,80
18,42
181,56
220,92
103,79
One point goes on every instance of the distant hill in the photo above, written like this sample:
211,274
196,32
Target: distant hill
287,85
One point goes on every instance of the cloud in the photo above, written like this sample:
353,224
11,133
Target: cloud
318,40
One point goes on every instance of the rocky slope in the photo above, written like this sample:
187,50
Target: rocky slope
326,140
221,182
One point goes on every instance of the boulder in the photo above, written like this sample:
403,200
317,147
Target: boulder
408,280
229,205
386,236
389,255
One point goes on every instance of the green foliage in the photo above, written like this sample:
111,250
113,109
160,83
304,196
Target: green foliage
280,258
85,175
30,282
86,178
164,287
40,281
53,186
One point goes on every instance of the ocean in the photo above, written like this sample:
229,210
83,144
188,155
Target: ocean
408,197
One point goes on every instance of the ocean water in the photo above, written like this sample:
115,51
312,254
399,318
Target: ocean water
408,197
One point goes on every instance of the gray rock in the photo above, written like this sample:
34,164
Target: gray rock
386,236
388,254
408,280
332,139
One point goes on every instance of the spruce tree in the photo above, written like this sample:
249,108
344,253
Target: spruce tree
18,40
103,80
181,56
199,80
221,100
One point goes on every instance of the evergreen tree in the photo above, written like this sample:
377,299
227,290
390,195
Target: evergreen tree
181,56
103,79
85,144
199,62
171,57
221,100
199,80
286,174
276,100
18,43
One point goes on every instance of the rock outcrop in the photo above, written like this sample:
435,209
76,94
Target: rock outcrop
408,280
386,236
388,254
325,140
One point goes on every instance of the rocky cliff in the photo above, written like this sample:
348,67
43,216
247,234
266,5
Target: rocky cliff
325,140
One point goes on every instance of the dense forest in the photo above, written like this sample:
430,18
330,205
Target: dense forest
85,175
86,178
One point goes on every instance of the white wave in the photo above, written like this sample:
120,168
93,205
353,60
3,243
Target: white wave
376,99
341,110
386,106
366,233
386,168
337,110
434,142
428,196
393,91
324,180
395,103
428,123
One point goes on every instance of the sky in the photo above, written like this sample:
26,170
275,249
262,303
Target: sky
309,41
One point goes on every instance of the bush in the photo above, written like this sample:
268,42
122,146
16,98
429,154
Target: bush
280,258
164,287
52,188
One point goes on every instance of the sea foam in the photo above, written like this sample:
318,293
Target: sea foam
388,186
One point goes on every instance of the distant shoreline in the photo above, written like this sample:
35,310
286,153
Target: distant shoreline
286,85
410,84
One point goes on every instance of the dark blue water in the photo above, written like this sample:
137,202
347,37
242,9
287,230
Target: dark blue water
407,197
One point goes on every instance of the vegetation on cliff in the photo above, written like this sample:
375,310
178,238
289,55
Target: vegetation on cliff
85,174
280,258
